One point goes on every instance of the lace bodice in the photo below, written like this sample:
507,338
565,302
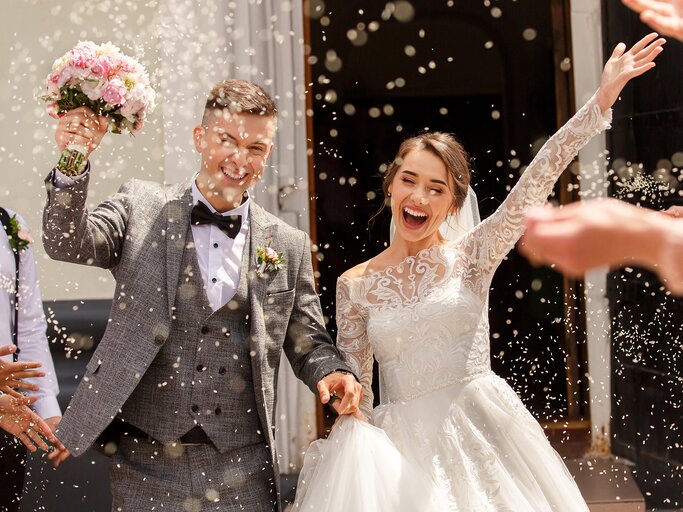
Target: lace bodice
426,319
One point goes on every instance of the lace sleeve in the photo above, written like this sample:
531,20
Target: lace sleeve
353,343
490,241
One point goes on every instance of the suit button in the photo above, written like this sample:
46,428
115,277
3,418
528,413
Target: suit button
222,370
218,411
195,408
205,329
159,339
201,367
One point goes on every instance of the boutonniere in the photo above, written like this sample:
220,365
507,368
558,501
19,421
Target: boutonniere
19,238
268,259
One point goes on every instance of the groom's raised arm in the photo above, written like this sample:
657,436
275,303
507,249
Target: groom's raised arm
72,233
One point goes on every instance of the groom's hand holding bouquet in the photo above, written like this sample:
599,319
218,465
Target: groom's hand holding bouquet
93,89
83,128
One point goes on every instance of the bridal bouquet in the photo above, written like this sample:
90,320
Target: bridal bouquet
106,81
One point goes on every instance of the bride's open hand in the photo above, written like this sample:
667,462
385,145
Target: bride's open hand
624,65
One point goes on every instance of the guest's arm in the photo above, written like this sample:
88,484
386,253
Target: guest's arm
581,236
664,16
32,338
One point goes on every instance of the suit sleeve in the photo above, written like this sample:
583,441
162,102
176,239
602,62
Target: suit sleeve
308,346
72,233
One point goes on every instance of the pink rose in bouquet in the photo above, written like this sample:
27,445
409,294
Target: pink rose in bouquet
106,81
115,92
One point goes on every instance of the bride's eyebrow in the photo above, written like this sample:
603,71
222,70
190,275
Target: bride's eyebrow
414,174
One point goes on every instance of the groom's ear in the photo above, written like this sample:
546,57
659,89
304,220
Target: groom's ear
198,137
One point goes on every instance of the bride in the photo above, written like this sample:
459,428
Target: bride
449,434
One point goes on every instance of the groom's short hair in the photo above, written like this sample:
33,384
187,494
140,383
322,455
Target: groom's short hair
241,97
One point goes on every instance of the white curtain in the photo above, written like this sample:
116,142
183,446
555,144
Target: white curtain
260,41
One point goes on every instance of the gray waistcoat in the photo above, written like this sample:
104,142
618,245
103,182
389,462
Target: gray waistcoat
202,375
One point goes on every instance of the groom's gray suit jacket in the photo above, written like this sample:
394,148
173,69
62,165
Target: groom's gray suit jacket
139,234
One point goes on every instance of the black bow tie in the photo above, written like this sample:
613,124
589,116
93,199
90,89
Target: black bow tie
228,224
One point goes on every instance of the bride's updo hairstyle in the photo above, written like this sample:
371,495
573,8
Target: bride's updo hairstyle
448,149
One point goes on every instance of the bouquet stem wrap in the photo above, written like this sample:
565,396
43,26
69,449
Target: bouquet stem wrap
72,160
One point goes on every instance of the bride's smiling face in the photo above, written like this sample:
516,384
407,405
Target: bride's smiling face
421,196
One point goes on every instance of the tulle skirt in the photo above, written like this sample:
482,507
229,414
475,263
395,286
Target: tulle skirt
469,447
357,468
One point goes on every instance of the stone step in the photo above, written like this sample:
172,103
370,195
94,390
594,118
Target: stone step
607,485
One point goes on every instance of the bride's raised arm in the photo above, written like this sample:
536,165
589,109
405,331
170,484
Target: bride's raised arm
352,341
497,235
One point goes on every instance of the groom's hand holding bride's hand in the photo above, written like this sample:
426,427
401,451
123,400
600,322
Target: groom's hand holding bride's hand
346,388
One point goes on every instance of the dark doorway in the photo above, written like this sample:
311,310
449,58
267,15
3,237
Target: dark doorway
487,73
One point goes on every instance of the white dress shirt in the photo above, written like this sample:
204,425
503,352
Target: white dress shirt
32,339
219,256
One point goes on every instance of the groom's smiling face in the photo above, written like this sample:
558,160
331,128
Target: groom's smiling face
234,148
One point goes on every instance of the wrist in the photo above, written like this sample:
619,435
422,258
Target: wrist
343,372
603,100
650,237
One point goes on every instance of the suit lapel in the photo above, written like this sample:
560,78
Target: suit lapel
260,232
177,221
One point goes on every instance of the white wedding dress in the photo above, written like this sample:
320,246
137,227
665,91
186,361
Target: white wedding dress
444,413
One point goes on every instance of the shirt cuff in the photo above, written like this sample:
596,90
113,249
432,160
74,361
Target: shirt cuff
61,180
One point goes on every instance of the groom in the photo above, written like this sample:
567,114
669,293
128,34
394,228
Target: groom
181,390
